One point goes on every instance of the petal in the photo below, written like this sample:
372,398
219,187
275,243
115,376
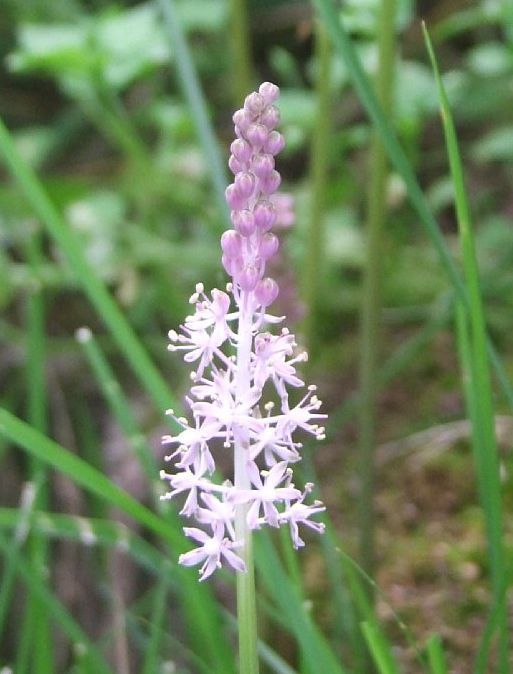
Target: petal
209,567
276,474
234,560
252,516
254,474
192,557
197,534
271,514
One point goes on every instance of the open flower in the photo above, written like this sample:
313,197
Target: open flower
210,552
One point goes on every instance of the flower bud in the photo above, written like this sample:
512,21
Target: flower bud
266,292
247,277
270,182
254,103
220,303
264,215
231,243
269,92
274,143
244,184
241,149
268,247
270,117
244,222
233,198
262,165
232,265
257,135
234,165
241,120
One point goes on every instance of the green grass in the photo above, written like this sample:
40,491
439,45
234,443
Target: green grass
475,365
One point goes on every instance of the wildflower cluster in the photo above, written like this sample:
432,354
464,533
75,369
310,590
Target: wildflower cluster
229,392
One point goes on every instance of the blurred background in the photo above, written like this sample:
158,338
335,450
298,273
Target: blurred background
101,106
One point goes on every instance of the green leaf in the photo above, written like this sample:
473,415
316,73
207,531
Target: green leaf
116,46
55,49
132,42
381,653
436,656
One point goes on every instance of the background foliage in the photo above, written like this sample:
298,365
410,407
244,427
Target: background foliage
117,122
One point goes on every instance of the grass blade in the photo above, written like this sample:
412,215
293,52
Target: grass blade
198,602
100,298
90,531
370,310
21,525
380,652
119,406
194,96
158,615
436,656
479,390
58,612
52,454
383,126
315,650
319,165
35,633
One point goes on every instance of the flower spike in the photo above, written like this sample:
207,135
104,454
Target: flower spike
238,364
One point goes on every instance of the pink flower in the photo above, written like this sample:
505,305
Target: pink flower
212,550
267,493
299,513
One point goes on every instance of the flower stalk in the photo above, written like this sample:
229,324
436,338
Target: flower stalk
239,398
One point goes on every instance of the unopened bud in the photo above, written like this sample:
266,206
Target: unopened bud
269,92
242,120
270,117
234,165
266,291
247,277
244,184
275,143
233,198
262,165
254,103
244,222
269,245
257,135
231,243
241,149
264,215
270,182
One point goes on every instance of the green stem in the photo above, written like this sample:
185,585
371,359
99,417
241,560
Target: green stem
318,177
246,601
246,613
371,299
241,50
